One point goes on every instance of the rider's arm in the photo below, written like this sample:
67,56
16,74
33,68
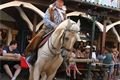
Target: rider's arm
47,21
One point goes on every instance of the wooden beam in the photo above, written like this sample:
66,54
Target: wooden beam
104,37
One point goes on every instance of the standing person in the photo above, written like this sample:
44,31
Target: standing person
11,51
72,68
108,60
55,14
115,53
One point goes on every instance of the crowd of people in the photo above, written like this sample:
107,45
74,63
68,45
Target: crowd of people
110,59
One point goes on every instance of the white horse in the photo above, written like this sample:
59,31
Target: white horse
49,56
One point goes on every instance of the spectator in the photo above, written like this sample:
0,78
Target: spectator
11,51
108,59
115,57
87,51
78,52
72,67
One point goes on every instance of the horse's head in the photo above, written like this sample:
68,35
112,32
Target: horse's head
66,34
71,34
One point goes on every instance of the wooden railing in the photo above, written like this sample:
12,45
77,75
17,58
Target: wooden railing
82,60
6,58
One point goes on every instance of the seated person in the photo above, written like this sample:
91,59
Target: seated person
79,54
87,52
11,51
72,66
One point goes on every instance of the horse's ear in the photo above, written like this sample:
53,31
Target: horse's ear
69,24
78,37
78,22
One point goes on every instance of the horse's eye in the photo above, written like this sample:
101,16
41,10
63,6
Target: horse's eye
66,38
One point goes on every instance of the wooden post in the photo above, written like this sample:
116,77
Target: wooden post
104,32
93,36
104,36
34,25
90,55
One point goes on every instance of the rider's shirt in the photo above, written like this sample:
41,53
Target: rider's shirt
58,15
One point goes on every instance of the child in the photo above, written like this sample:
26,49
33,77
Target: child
72,67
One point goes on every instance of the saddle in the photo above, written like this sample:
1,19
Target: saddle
38,41
45,38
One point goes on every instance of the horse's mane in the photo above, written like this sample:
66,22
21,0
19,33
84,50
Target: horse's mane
68,24
59,31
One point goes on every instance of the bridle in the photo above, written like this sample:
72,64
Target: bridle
54,51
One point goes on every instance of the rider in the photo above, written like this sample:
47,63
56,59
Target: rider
55,14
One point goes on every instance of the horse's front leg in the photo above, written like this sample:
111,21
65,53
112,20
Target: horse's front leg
38,68
31,70
43,76
51,77
54,67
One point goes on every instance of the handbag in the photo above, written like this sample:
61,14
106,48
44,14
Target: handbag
24,63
